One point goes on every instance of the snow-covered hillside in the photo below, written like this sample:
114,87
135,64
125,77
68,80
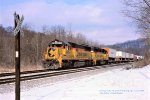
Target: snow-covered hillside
118,84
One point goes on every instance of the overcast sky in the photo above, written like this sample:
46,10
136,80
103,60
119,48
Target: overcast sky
98,20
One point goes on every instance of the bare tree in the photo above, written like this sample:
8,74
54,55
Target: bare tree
6,46
33,44
139,12
80,38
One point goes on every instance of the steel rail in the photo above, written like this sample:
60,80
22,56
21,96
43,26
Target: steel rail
51,73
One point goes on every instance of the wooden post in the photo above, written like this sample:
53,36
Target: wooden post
17,22
17,62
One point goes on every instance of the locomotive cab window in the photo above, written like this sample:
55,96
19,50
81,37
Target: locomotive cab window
56,44
103,51
67,47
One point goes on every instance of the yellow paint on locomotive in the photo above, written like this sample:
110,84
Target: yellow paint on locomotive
93,57
69,53
74,52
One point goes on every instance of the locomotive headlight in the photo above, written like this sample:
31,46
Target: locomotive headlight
53,49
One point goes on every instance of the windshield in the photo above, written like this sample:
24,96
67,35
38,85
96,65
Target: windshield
56,44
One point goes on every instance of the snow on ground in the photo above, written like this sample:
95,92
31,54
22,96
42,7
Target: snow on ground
116,84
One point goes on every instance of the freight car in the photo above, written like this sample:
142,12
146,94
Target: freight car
61,54
118,56
111,55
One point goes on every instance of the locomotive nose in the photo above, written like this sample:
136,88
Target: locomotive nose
51,51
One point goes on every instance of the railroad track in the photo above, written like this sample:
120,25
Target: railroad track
29,75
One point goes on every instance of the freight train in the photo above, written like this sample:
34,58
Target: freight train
62,54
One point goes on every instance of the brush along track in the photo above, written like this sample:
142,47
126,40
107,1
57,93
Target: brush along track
29,75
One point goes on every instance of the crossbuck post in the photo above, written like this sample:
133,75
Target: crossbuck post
17,30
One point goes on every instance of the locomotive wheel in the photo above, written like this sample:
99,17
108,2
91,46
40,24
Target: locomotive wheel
87,63
55,66
45,64
51,65
68,64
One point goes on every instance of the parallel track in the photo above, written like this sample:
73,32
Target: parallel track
10,77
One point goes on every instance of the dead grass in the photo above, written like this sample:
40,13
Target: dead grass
141,63
31,67
6,69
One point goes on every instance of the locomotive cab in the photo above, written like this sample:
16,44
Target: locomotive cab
57,48
52,48
54,53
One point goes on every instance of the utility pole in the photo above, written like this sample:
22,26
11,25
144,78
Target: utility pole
17,31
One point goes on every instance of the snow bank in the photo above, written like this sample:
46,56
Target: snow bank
116,84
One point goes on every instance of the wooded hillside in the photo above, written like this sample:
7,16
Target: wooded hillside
33,44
